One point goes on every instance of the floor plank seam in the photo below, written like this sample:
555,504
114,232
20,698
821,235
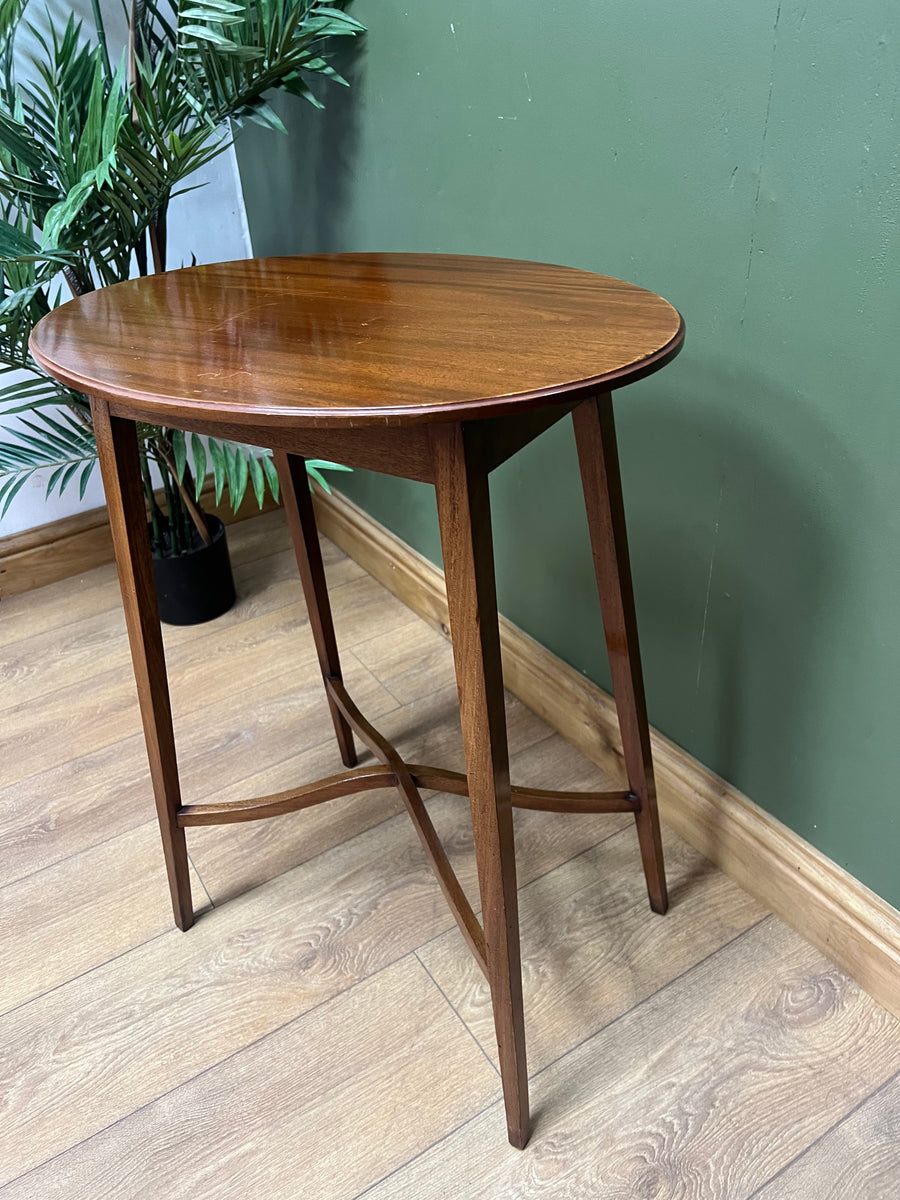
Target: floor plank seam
575,857
381,682
656,992
425,1150
415,623
457,1014
885,1083
364,757
121,640
178,716
520,887
105,1134
115,608
206,1070
349,650
400,816
83,974
57,862
203,796
35,595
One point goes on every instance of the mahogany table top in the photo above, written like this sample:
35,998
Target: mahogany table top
356,339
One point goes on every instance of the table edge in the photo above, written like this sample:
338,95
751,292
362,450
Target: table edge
144,404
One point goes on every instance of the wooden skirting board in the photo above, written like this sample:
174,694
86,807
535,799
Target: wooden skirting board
823,902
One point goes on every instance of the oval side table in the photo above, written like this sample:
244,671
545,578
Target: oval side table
430,367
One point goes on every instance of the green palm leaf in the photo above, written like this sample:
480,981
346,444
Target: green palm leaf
90,158
60,444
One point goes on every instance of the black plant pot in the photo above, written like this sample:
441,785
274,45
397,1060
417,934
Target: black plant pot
197,586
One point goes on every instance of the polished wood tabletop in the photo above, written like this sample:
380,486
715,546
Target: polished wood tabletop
356,339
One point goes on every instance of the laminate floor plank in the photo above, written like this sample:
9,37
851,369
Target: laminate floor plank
410,660
702,1092
48,661
89,797
29,614
591,946
82,596
85,910
320,1108
43,732
859,1159
235,857
83,1056
321,1032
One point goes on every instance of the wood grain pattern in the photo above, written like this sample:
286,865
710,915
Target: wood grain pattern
380,339
117,449
403,450
705,1090
432,847
411,661
57,811
302,525
814,895
701,1090
464,517
234,858
590,949
598,459
409,575
85,646
256,649
279,804
330,340
388,1046
96,592
555,800
281,345
90,1052
58,923
858,1159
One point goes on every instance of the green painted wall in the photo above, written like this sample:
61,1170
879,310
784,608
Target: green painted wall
743,161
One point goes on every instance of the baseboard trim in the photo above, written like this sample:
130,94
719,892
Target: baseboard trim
825,904
71,545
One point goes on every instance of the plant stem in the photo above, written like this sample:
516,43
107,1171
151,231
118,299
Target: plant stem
157,231
101,37
135,47
187,528
80,416
174,531
78,285
140,254
196,513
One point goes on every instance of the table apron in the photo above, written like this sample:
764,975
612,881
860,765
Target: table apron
402,450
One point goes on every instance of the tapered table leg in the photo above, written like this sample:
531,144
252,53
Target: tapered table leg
465,522
595,436
302,523
119,463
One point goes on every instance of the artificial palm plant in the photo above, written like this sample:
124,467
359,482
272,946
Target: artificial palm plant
92,151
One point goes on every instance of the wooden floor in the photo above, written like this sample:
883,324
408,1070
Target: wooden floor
322,1032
